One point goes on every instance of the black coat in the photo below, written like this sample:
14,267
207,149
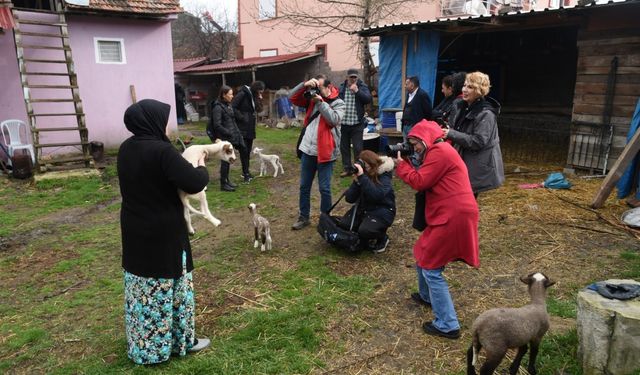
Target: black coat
377,200
245,112
420,107
474,133
363,96
442,110
222,124
150,171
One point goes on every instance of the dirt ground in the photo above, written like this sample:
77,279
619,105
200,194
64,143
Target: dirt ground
521,231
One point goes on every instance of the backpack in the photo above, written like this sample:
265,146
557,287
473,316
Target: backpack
335,231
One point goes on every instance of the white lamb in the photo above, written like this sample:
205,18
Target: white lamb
273,159
221,149
262,229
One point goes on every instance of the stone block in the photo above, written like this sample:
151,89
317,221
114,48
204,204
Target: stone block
608,333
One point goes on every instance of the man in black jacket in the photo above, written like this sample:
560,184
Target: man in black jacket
355,95
417,105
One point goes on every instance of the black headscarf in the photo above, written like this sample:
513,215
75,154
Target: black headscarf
148,119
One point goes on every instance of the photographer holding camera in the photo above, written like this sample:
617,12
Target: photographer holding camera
451,213
372,190
319,141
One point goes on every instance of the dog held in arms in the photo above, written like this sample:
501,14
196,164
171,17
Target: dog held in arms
221,149
264,159
262,229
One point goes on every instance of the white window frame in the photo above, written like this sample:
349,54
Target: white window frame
262,15
97,50
269,52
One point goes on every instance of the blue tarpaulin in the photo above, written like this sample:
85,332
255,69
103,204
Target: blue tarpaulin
422,61
627,182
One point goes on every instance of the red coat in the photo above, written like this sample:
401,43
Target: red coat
451,209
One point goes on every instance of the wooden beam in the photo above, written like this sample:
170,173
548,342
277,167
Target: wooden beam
132,89
405,41
627,155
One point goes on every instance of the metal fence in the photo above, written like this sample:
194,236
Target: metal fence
534,139
589,146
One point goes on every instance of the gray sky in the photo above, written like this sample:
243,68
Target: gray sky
215,7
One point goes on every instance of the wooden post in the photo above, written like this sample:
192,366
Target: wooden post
132,89
224,79
627,155
405,41
253,75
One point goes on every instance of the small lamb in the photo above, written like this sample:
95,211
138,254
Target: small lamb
262,229
498,330
273,159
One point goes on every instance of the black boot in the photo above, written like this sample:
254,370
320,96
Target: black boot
226,187
231,184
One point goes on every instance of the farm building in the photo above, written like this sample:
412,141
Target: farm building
69,71
567,78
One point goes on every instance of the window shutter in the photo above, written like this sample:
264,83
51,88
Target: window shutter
110,51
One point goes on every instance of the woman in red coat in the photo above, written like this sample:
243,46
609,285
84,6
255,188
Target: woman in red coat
451,213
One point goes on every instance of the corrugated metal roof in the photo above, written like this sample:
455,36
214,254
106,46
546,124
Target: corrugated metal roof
146,7
180,64
249,63
375,30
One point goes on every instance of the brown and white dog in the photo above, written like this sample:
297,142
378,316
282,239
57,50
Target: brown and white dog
194,154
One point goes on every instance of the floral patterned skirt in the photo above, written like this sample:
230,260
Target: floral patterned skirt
159,316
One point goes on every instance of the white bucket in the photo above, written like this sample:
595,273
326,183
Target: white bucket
399,121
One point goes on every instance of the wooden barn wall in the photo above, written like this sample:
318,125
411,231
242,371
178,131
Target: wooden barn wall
609,32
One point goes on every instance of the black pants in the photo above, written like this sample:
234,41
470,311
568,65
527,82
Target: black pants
351,134
372,228
245,155
224,172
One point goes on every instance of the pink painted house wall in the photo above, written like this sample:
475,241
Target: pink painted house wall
256,34
104,88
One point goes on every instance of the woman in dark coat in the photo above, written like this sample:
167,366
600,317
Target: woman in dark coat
474,134
440,113
246,105
373,191
223,126
452,216
156,255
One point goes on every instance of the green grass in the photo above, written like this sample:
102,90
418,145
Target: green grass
632,261
558,355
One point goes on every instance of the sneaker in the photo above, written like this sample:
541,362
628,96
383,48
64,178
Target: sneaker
199,344
248,177
418,299
429,329
301,223
381,245
232,184
345,174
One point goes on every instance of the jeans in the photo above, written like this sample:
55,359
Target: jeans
434,289
351,135
405,131
308,167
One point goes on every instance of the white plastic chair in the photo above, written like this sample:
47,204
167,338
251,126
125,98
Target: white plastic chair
15,142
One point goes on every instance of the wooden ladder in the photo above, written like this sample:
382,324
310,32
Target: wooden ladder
53,105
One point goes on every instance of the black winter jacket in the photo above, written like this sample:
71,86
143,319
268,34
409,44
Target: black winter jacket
363,96
245,112
222,124
419,109
378,200
151,170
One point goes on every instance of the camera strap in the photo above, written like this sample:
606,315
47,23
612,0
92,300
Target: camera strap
355,209
313,116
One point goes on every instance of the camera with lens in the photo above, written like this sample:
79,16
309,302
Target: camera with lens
405,149
311,92
442,122
353,170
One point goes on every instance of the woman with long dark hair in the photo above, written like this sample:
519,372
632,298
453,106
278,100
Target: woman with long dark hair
247,104
373,191
222,125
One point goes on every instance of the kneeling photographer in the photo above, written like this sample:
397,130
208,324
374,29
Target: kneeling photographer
451,214
376,201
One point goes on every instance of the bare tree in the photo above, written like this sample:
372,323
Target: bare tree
204,34
324,17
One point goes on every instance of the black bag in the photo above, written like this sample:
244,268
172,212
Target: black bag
304,130
419,220
330,228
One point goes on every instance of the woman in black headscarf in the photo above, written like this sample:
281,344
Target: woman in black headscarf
156,255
